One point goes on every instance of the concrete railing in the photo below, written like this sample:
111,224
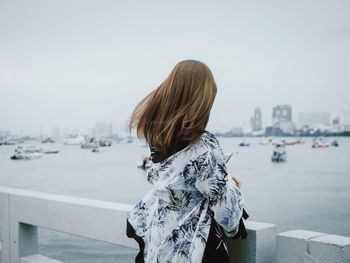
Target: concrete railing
21,212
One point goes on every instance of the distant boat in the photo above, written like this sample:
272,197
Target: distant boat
279,154
244,144
7,143
335,143
48,140
26,156
95,149
28,149
105,142
48,151
320,143
87,145
293,142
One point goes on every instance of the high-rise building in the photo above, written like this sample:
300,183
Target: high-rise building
256,120
344,119
311,119
282,118
281,113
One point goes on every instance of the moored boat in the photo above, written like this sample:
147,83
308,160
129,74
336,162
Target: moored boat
26,156
335,143
320,143
279,154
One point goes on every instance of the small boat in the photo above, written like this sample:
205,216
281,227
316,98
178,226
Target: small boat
7,143
47,140
106,142
293,142
95,149
279,154
244,144
48,151
26,156
320,143
28,149
335,143
90,143
87,145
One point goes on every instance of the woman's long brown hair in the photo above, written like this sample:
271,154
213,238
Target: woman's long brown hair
176,113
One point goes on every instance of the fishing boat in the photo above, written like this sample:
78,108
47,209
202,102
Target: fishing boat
279,154
89,144
47,140
320,143
48,151
335,143
105,142
28,149
26,156
293,141
95,149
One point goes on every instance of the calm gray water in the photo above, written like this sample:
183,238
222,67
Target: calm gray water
311,191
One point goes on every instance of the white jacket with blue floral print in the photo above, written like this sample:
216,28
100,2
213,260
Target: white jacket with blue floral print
189,189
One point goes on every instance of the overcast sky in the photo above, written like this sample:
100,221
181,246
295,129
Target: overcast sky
71,63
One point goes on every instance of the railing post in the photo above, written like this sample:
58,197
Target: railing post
308,246
23,236
4,228
259,247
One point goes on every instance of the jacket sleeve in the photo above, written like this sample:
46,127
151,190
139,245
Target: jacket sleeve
225,198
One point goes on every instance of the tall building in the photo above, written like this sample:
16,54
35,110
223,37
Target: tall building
311,119
282,118
344,119
281,113
256,120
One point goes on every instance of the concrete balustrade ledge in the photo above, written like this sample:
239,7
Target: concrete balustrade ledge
22,212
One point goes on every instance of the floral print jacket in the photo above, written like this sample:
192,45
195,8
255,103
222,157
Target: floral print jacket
190,189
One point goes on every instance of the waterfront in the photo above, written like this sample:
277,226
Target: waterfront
310,191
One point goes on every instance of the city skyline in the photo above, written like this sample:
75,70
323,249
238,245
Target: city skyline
121,127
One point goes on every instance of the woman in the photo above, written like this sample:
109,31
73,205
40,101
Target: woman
194,204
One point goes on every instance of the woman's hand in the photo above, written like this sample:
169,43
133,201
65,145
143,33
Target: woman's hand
238,183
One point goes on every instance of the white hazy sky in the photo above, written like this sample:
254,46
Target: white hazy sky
71,63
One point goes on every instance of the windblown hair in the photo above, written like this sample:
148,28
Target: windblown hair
176,113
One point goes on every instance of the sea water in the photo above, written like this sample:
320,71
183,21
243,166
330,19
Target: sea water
310,191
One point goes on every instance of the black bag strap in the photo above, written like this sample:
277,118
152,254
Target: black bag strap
242,231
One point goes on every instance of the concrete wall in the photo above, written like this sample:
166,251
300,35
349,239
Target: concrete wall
21,212
310,247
